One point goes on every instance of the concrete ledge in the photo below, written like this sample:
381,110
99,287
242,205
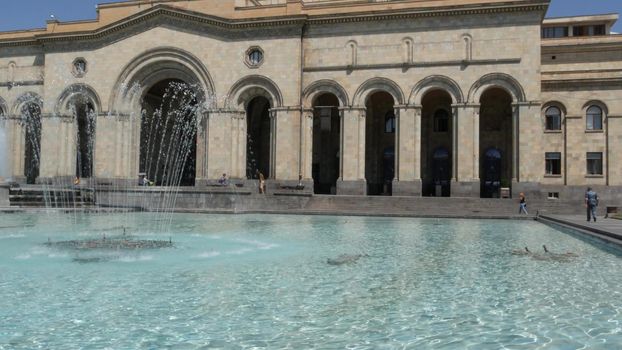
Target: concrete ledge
4,196
407,188
466,189
352,188
590,230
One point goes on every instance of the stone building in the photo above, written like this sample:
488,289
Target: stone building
378,97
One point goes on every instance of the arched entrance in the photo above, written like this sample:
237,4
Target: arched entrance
491,175
259,138
326,144
380,139
31,119
168,137
436,143
496,142
85,117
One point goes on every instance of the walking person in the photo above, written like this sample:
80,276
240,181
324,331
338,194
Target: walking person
262,182
591,202
522,204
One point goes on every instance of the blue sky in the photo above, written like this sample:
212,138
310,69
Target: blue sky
27,14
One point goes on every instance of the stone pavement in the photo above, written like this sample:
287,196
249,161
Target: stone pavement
609,229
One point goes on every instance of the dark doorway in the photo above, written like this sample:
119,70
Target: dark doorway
388,166
31,117
436,143
495,142
493,163
441,173
168,137
326,144
85,118
380,131
258,138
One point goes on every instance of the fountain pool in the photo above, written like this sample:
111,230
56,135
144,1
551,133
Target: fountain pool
263,281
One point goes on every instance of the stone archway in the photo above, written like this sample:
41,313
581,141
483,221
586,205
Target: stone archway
326,143
28,107
168,138
138,101
437,143
380,143
499,96
255,97
322,134
497,145
81,103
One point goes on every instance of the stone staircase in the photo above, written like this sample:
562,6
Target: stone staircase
42,197
433,206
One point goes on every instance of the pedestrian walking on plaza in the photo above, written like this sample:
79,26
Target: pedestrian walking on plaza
591,202
262,182
522,204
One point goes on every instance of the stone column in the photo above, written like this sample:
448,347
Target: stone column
218,135
407,180
515,142
306,144
465,175
352,152
57,160
286,141
201,156
527,144
238,170
16,152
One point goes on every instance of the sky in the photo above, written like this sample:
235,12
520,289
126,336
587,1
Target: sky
30,14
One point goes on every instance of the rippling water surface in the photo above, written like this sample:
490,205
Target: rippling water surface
263,281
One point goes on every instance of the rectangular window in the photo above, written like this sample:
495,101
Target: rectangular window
599,30
594,163
553,195
588,30
553,162
594,122
553,122
554,32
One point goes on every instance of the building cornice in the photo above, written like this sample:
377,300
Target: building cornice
39,38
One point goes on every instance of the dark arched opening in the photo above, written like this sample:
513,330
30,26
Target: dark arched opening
84,114
380,137
492,175
326,144
436,143
168,137
495,142
31,118
258,140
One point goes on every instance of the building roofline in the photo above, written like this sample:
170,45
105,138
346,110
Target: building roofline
161,8
610,18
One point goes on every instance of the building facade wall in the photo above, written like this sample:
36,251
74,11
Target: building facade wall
463,55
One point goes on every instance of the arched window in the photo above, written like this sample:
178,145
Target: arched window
441,121
389,122
594,118
553,119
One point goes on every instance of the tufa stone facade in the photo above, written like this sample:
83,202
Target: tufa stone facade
403,97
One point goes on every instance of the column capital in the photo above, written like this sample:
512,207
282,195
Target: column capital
286,109
409,106
527,104
468,105
352,108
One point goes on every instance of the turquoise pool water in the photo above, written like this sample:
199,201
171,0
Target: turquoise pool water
263,281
